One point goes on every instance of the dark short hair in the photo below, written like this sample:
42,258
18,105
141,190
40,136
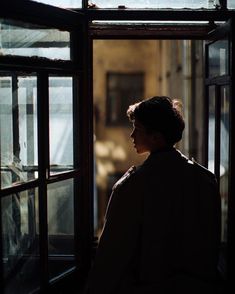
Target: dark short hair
159,114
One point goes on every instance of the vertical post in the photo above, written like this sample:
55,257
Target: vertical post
193,131
74,49
15,117
84,4
1,228
43,168
81,56
16,152
205,146
223,4
86,144
2,282
205,107
231,198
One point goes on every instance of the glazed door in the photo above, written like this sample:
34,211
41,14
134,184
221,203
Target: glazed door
45,223
220,135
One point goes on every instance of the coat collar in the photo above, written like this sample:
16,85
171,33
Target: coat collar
165,155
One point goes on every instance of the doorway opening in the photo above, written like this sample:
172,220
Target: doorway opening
125,72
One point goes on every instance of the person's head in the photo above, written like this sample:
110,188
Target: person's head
158,123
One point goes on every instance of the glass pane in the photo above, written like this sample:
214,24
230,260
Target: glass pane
63,3
218,58
231,4
18,141
61,227
20,242
61,123
224,157
155,4
211,131
24,39
6,137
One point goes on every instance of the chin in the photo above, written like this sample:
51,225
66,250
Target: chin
141,151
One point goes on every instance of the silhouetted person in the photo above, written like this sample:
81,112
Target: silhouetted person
162,228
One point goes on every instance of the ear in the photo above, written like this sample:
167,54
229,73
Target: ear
158,138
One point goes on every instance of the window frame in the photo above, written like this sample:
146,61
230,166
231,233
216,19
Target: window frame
73,22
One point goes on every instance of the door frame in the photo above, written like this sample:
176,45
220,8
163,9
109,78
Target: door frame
99,31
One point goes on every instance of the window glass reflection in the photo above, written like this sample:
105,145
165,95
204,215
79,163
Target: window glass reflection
6,137
218,58
211,130
155,4
224,157
62,3
61,124
18,126
231,4
60,227
20,241
25,39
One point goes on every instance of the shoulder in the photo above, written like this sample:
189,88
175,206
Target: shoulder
201,171
131,179
129,173
202,168
195,169
125,190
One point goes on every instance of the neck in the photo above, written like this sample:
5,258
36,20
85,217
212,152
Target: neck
162,149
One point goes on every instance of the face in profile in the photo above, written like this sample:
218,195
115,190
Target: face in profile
142,140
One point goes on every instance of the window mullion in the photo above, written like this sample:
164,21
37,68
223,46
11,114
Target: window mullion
16,149
217,131
1,249
43,170
15,117
84,4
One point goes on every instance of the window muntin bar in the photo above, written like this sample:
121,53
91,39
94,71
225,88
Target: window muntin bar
61,124
19,213
60,227
148,22
25,39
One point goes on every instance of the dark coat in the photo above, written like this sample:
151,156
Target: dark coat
162,230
